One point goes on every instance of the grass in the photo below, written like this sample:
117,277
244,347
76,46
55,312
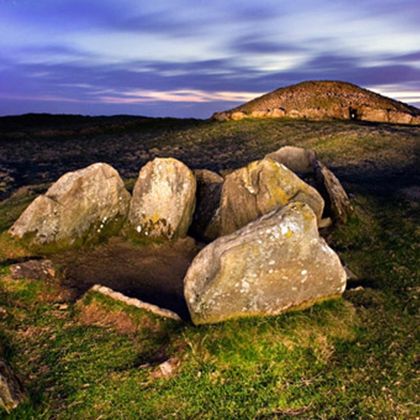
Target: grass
354,357
41,156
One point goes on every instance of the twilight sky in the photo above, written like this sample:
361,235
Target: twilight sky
193,57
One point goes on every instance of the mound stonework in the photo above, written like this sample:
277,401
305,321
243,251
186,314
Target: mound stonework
82,205
163,199
324,100
276,263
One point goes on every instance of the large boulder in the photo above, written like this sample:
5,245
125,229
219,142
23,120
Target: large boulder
304,162
274,264
82,205
297,159
256,189
209,189
337,200
163,199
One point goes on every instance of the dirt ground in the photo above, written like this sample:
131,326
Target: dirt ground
153,273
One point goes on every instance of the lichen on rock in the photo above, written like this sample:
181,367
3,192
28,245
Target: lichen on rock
256,189
82,206
274,264
163,200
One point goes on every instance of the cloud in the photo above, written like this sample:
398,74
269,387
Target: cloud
186,95
196,57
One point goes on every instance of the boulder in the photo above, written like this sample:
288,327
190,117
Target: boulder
11,390
397,117
82,205
209,189
163,199
238,115
33,269
274,264
367,113
221,116
256,189
297,159
258,114
276,113
336,198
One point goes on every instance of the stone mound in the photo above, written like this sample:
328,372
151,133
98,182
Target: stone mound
323,100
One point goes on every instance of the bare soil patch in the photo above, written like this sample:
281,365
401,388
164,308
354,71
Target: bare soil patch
153,273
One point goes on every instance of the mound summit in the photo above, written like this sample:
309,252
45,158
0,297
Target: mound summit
321,100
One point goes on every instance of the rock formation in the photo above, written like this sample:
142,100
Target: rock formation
255,190
304,162
83,205
268,257
209,189
320,100
297,159
336,198
276,263
163,199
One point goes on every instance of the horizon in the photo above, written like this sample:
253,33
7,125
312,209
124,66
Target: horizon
187,59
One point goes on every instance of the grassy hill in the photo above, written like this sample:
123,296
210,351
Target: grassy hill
356,357
325,100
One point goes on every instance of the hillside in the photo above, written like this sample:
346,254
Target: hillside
319,100
90,356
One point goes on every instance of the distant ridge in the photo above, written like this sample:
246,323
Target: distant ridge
321,100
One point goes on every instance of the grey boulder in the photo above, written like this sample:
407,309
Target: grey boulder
163,200
274,264
82,205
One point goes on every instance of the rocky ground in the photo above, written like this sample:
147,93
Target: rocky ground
355,357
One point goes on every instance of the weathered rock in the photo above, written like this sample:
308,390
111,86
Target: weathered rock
82,205
258,114
148,307
274,264
276,113
398,117
236,116
221,116
256,189
209,189
33,269
334,194
11,390
163,199
368,113
297,159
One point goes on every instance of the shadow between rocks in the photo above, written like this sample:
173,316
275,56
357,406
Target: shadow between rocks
152,273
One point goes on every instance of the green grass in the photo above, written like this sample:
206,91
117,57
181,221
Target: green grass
354,357
351,358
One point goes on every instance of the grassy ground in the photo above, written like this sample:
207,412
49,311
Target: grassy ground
33,153
356,357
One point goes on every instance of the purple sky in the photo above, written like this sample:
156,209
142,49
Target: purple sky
189,58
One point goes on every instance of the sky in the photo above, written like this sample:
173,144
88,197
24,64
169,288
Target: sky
190,58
